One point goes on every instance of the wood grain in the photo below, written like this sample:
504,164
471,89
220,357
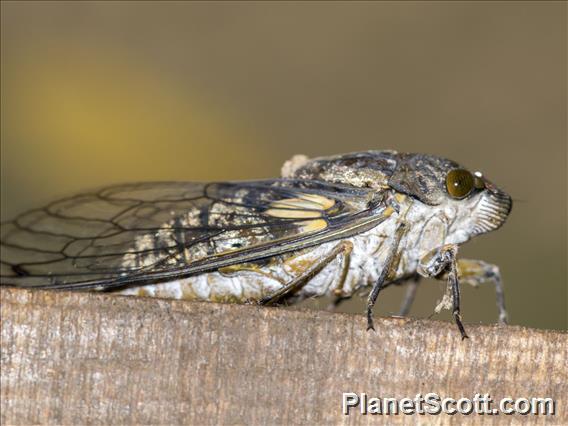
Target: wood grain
84,358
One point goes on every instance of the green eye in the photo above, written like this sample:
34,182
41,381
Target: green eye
459,183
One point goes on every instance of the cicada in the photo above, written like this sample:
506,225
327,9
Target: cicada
328,226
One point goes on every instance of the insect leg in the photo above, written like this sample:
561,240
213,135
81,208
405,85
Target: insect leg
453,280
442,263
476,272
343,248
384,275
339,292
409,296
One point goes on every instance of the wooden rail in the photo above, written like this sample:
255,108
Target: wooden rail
84,358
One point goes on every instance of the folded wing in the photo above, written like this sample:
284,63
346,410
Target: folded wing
143,233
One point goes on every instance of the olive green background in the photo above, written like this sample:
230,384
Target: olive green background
98,93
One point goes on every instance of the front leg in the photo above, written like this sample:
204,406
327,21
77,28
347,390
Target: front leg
442,262
476,272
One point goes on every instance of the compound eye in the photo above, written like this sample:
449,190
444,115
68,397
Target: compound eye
459,183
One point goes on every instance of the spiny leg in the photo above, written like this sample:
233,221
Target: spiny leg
384,275
441,263
410,294
343,248
476,272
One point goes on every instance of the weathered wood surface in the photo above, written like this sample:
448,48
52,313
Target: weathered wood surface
70,358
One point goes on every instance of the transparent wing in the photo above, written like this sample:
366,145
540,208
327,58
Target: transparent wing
142,233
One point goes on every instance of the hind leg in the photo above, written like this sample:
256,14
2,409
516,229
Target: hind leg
343,249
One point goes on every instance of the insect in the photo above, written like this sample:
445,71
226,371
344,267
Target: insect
329,226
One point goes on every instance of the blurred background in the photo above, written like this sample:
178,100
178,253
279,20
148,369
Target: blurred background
104,92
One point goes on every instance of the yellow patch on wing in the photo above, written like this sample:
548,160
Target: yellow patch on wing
324,203
293,214
304,207
314,225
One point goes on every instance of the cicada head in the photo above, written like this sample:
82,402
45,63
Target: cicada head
473,204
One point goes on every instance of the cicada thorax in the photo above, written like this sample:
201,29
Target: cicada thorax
370,169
